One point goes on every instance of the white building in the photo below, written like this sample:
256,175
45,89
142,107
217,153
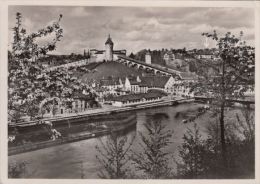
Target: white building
144,83
148,58
136,99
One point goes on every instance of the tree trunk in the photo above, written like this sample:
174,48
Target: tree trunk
222,135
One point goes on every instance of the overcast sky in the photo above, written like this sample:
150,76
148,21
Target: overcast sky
135,28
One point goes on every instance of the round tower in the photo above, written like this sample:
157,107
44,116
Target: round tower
109,49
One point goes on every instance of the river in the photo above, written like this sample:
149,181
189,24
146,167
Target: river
77,159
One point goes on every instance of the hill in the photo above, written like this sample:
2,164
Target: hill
108,69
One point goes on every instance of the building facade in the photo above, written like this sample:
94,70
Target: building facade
148,58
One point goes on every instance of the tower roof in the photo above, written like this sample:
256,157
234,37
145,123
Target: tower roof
147,52
109,41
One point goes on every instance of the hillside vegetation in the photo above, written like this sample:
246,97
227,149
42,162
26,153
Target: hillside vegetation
107,69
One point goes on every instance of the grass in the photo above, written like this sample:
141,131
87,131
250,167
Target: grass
106,69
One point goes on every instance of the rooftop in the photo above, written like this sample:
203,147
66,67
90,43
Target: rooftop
109,41
154,81
188,76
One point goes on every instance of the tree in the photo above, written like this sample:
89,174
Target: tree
113,156
153,160
236,75
23,68
192,154
29,81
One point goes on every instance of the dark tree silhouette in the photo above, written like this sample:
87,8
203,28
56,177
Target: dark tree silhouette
113,156
193,153
153,160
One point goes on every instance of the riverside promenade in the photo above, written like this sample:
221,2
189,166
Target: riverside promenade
108,109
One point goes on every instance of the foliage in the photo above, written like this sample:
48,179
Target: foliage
153,160
29,81
234,76
113,157
192,154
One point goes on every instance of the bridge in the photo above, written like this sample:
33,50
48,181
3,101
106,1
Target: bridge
148,67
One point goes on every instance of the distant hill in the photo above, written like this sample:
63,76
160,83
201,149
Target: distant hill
110,69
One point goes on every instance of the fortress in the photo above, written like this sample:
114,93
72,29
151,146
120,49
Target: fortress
109,54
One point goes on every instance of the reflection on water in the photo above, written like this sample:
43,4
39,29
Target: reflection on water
68,160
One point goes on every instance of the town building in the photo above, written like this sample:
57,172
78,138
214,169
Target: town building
135,85
204,54
111,83
183,86
136,99
148,58
78,102
163,83
144,83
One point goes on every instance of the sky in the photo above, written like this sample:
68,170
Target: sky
135,28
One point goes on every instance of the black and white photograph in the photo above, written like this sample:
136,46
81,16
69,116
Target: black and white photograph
130,92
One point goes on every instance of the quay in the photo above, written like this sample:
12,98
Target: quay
75,117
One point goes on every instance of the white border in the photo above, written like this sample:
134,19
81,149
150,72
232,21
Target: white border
134,3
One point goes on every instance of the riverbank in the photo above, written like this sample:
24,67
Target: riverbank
116,127
71,159
73,117
35,138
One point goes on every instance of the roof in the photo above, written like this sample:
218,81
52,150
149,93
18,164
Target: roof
109,41
148,53
131,97
169,53
134,82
